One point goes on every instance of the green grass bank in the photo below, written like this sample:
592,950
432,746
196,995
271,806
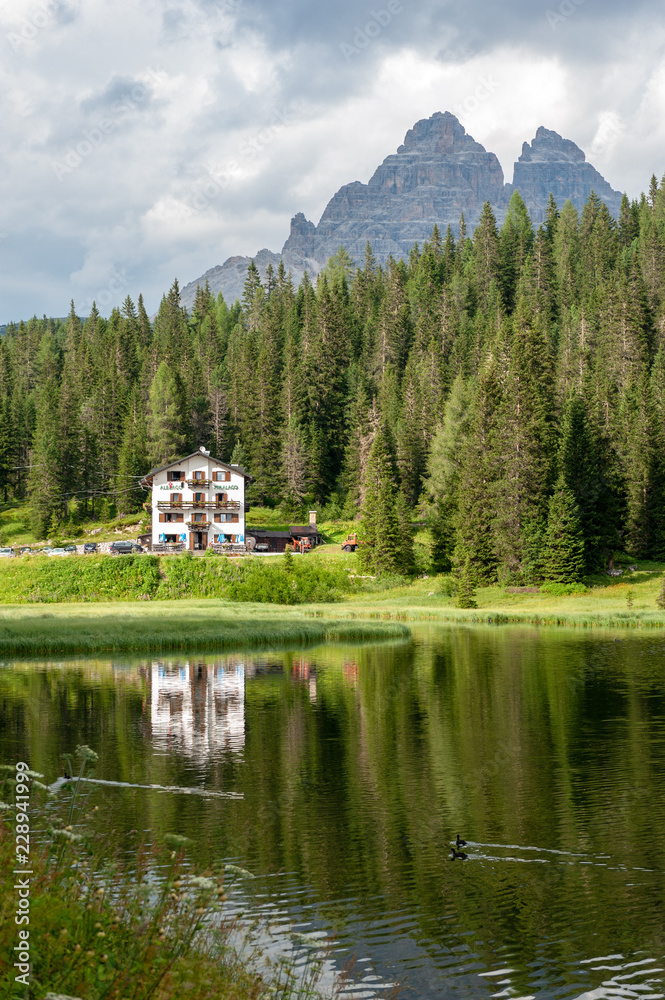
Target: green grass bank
43,580
73,629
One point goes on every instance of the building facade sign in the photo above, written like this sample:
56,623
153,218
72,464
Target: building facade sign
175,485
224,486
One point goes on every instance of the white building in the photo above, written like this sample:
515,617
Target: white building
197,501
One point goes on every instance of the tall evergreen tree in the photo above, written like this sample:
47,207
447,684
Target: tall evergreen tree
166,441
381,549
564,549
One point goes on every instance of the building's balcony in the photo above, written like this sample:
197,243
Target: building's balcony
198,484
198,525
198,504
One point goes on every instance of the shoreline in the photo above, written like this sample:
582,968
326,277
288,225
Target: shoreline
133,627
125,627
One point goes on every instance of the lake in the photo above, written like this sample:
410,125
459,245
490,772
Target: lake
340,776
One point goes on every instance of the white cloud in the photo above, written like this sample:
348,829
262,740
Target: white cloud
251,113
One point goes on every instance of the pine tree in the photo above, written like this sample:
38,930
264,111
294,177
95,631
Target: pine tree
580,463
382,547
133,457
466,593
564,550
6,448
238,456
444,465
487,262
294,465
166,440
515,243
45,479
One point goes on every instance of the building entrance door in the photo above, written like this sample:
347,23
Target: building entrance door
198,540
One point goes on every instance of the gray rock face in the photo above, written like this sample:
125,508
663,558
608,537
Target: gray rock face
556,165
438,173
229,277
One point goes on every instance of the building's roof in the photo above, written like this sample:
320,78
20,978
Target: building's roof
304,529
200,452
294,530
262,533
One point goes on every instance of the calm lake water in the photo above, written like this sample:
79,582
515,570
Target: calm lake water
340,775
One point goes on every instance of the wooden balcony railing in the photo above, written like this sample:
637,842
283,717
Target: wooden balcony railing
199,504
198,484
198,525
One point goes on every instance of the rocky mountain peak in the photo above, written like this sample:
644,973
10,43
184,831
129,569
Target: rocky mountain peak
437,173
442,134
550,147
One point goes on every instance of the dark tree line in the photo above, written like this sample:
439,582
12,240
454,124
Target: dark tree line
514,380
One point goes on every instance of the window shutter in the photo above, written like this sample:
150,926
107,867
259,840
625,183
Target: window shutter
162,518
227,477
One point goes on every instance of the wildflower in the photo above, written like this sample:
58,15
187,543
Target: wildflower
235,870
85,753
205,884
73,838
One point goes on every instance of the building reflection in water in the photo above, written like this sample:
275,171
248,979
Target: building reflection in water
303,670
198,708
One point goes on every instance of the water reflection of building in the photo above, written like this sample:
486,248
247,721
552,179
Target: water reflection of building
198,707
303,670
350,673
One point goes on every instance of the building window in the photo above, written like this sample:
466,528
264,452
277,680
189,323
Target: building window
199,498
170,539
221,477
199,476
175,476
169,517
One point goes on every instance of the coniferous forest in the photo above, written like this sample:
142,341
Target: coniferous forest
507,385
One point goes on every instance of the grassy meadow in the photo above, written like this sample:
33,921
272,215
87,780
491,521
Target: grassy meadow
101,604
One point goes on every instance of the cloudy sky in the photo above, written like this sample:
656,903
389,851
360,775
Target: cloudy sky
143,140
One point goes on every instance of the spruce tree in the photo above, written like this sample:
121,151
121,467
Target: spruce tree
166,440
564,548
133,458
45,479
382,547
466,593
443,474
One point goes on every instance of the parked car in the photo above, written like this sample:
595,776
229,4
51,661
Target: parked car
71,549
124,548
25,550
57,552
6,553
89,548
